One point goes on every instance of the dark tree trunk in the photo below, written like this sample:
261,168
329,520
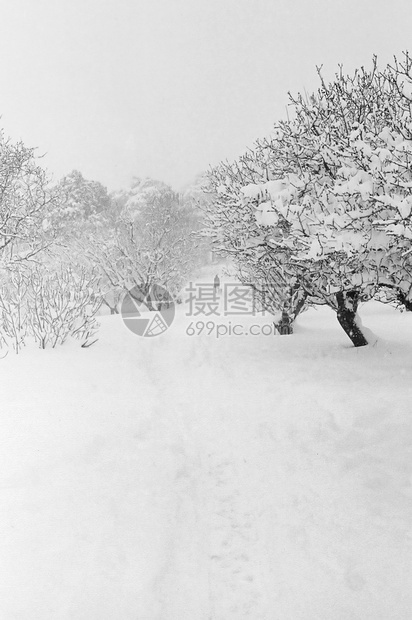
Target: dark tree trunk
406,302
300,305
346,314
285,325
290,313
113,309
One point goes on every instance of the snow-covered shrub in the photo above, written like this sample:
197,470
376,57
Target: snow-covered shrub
13,308
62,304
48,306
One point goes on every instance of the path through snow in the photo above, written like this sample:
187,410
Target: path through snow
190,478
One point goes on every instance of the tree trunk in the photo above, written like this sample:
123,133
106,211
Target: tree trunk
405,301
113,309
300,305
346,314
285,325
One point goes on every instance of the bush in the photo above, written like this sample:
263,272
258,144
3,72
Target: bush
48,306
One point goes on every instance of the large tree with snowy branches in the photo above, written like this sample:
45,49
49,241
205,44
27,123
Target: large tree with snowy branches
330,192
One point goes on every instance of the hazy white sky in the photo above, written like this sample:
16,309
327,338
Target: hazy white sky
116,88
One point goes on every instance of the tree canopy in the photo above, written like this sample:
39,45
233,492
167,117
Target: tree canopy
324,203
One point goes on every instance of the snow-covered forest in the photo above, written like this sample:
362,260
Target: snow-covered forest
201,473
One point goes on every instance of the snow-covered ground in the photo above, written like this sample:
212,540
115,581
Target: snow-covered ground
196,478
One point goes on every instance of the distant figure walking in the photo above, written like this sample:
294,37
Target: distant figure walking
216,283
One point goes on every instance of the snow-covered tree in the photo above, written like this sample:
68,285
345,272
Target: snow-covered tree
130,202
151,242
25,203
80,206
330,192
238,233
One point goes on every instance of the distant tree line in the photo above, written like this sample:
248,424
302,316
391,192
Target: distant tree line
68,248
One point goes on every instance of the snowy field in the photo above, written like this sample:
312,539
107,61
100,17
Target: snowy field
196,478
